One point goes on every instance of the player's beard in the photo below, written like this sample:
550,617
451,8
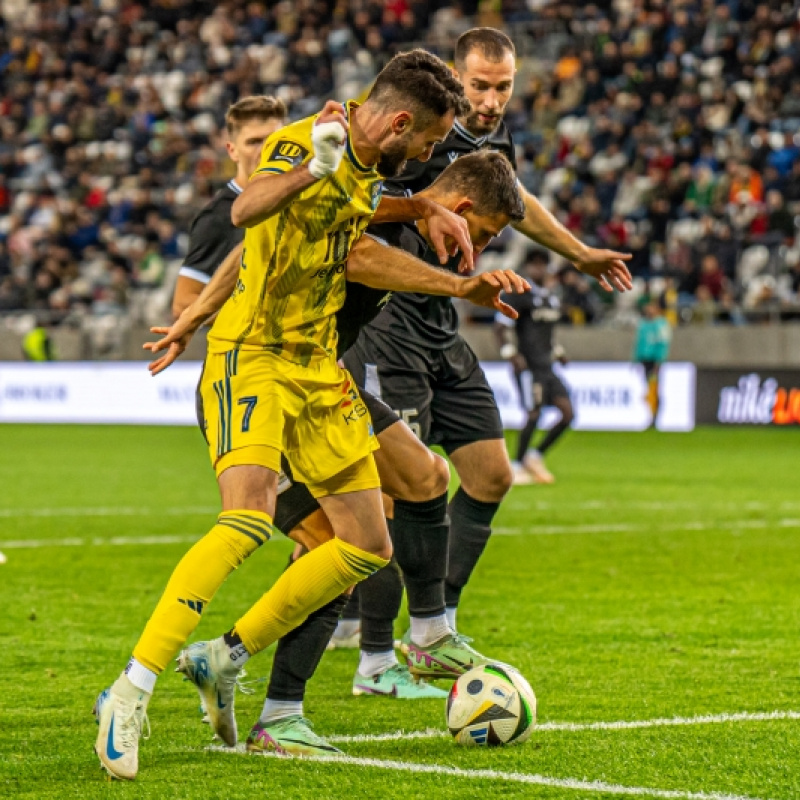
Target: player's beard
393,160
477,127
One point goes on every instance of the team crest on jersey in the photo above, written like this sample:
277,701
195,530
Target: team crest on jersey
377,191
452,156
290,152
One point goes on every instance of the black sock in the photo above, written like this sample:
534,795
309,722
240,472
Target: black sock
470,528
421,531
525,436
299,652
351,609
553,434
381,595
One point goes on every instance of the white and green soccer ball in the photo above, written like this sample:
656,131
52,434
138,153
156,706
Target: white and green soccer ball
491,705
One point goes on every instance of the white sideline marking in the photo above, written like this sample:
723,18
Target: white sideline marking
497,775
645,505
540,530
117,541
557,530
705,719
109,511
512,505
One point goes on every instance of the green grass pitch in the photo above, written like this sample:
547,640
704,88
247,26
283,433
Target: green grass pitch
657,580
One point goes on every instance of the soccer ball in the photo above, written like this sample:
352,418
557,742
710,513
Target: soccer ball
491,705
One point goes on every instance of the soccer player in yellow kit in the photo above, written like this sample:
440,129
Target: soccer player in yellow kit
271,385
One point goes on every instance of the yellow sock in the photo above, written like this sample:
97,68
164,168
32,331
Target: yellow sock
652,395
310,583
194,582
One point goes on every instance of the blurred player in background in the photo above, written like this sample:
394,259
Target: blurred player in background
532,355
271,385
653,338
212,235
413,357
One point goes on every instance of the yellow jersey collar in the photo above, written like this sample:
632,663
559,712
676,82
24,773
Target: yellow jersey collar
351,154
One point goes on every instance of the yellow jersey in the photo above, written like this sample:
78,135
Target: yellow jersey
292,276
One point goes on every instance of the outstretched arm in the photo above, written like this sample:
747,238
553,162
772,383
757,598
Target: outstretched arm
383,267
607,266
212,298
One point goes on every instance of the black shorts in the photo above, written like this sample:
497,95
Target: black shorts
442,394
295,503
650,369
539,387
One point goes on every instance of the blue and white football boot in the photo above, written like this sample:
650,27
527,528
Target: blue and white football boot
121,722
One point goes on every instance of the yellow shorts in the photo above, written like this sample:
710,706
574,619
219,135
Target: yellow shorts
257,405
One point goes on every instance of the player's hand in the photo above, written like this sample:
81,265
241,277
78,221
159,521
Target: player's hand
608,268
449,233
329,135
175,340
485,289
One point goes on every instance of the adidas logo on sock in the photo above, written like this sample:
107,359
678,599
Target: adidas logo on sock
195,605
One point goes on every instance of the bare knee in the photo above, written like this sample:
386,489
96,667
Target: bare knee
248,487
490,486
387,551
426,480
379,549
435,481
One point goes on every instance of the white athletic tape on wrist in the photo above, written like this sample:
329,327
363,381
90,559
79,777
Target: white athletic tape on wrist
329,139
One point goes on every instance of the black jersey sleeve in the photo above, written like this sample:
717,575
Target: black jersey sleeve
211,237
399,234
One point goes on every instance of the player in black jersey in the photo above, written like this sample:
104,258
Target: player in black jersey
413,355
409,471
212,234
531,357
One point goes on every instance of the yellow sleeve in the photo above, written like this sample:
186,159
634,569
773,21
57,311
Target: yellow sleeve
287,148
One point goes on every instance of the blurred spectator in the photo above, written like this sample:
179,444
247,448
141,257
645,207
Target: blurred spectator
711,277
666,128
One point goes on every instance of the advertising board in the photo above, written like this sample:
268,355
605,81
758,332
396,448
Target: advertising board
606,396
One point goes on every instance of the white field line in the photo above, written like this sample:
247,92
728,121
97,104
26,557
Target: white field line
511,505
706,719
537,530
109,511
511,777
695,525
116,541
515,504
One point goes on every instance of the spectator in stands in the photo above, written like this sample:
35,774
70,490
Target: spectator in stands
712,277
111,113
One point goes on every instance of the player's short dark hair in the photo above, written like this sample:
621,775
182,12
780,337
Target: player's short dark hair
488,179
492,44
255,108
421,83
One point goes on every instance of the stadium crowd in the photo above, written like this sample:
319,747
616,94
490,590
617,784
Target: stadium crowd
668,129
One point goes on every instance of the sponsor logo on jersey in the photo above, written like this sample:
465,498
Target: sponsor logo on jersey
377,191
336,269
290,152
352,402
